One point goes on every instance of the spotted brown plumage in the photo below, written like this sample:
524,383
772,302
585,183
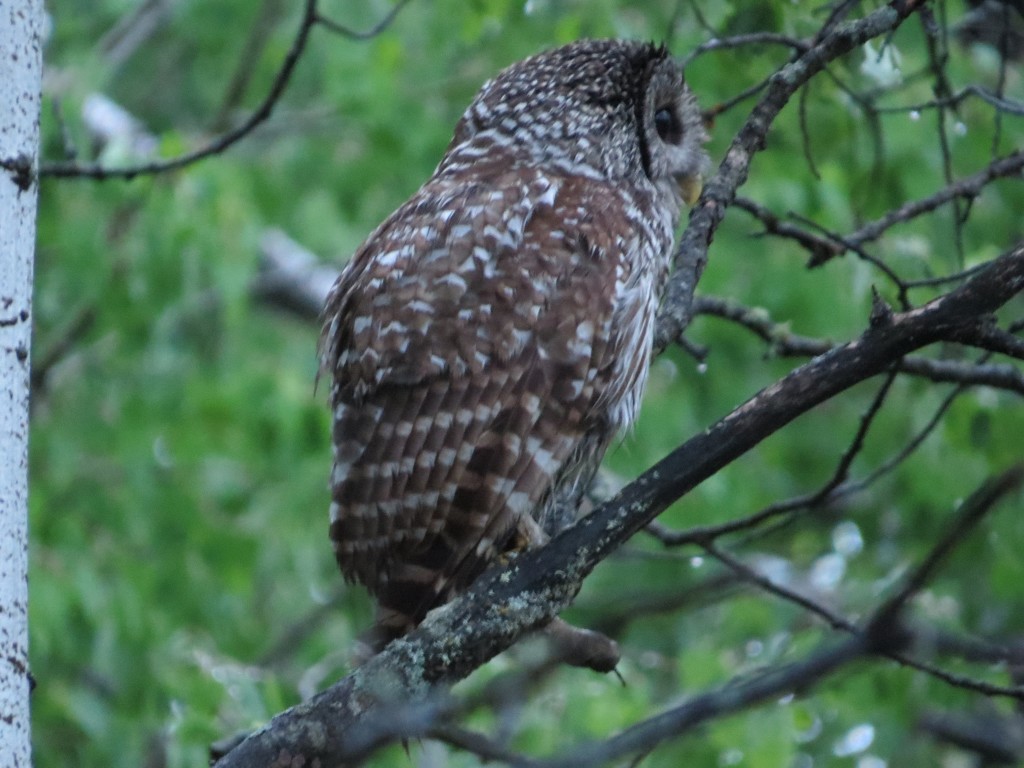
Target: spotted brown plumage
492,336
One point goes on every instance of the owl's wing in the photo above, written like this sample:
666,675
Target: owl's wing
470,341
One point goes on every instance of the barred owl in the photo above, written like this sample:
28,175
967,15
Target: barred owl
492,336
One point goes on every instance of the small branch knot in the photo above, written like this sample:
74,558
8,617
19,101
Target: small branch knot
21,171
881,313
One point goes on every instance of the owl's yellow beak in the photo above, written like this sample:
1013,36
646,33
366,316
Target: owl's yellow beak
690,187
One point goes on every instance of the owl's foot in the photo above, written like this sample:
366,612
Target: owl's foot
582,647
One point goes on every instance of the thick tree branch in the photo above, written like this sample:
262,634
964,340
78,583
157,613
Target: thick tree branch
884,633
506,603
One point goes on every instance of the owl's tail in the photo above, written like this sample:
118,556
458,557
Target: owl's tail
412,590
388,624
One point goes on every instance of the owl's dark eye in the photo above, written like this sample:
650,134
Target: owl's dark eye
666,125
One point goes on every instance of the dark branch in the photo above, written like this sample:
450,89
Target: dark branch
691,255
784,343
310,17
733,697
882,634
979,504
506,603
218,145
369,34
739,41
967,188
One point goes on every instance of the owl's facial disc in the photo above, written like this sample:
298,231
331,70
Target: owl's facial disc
672,133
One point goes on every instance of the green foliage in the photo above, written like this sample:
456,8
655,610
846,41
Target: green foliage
182,586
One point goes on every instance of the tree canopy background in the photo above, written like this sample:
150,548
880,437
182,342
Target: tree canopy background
182,584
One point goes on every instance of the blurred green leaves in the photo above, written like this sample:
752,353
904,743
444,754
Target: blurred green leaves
182,585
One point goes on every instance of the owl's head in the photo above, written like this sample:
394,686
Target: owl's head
617,108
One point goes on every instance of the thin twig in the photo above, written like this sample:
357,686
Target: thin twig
369,34
218,145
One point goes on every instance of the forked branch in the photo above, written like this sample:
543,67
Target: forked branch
506,603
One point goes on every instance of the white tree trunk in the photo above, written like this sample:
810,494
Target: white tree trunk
20,83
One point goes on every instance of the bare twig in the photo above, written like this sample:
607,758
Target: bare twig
691,255
1001,103
974,508
884,633
310,17
369,34
255,43
79,324
741,41
736,696
995,340
784,343
967,188
216,146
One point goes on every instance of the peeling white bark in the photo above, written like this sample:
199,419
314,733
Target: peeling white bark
20,83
